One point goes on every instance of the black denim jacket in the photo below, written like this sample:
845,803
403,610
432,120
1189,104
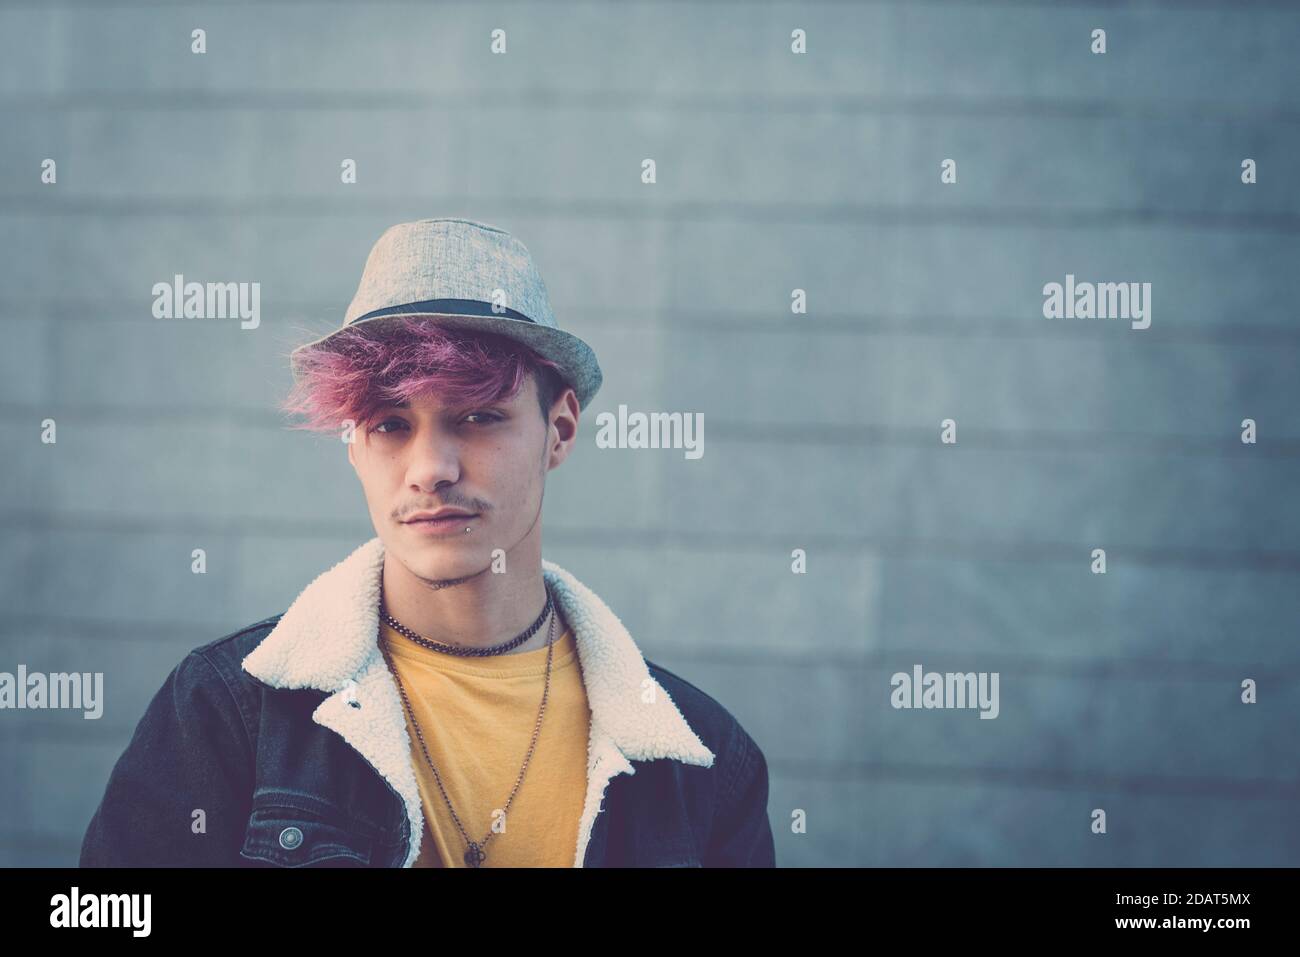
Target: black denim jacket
285,744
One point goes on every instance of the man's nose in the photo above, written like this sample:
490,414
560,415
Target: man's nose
435,459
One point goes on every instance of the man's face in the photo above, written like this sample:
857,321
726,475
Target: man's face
488,459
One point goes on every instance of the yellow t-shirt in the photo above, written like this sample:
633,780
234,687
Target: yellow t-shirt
477,716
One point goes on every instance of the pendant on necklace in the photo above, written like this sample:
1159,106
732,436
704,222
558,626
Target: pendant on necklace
474,855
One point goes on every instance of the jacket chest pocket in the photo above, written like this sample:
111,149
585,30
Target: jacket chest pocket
293,829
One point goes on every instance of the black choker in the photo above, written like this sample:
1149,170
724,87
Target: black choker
462,650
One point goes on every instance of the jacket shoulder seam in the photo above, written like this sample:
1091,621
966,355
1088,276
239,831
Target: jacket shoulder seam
234,699
738,754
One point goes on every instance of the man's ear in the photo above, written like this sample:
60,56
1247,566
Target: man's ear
565,423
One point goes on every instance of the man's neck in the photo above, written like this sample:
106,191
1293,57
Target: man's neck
479,612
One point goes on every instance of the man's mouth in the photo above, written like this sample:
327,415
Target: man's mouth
451,522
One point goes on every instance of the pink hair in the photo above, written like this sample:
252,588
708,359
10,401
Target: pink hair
365,368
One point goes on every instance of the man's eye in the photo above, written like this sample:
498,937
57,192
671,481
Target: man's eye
487,418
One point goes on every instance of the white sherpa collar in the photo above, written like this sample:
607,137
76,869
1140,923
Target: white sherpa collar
328,640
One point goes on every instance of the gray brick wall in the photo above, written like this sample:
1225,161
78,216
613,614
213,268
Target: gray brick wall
775,172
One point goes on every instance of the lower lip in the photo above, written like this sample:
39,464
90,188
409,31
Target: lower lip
441,526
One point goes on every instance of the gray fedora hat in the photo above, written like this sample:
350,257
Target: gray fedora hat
464,274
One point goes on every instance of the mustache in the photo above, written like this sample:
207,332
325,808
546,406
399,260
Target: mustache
465,506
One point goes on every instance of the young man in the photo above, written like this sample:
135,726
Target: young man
443,696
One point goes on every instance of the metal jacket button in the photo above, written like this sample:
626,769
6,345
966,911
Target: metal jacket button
290,838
